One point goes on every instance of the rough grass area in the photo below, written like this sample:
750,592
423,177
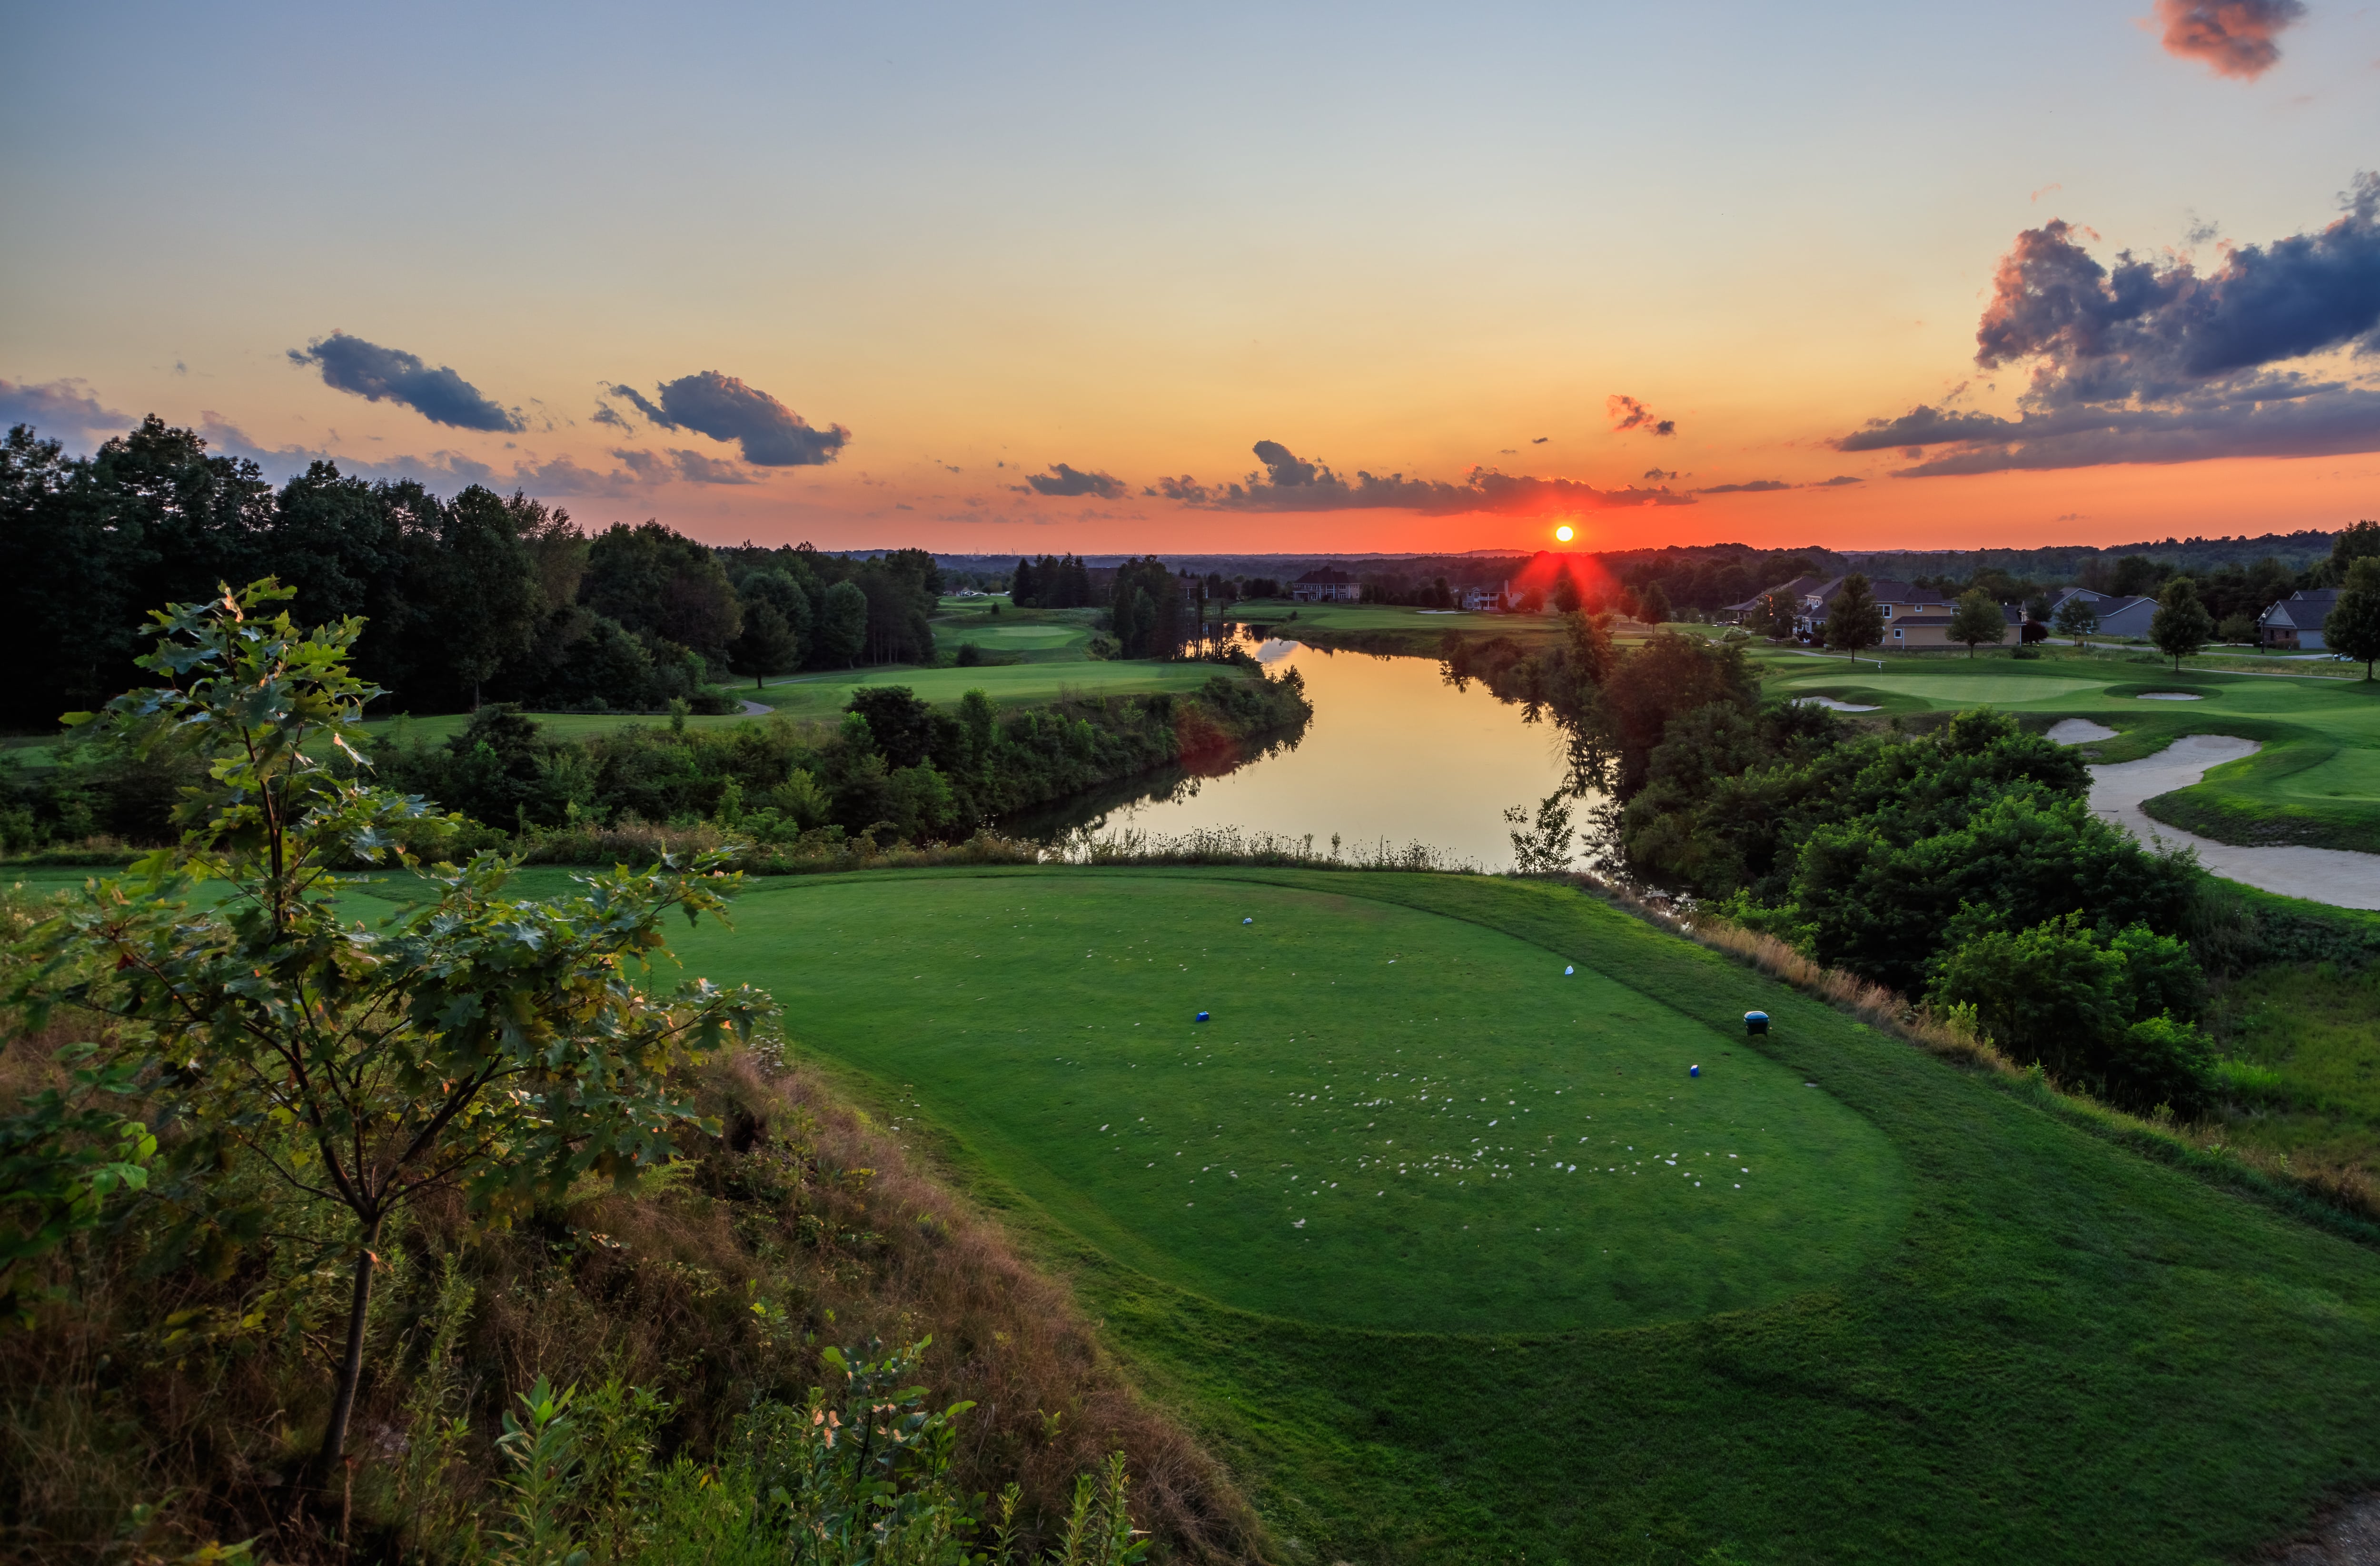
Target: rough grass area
2316,781
803,1226
2059,1351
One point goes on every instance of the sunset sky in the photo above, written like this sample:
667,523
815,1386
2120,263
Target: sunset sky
1681,274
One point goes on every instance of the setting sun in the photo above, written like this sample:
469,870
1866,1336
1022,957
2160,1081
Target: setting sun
1563,532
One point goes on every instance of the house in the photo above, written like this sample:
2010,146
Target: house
2126,616
2296,622
2117,617
2028,630
1478,598
1913,616
1326,584
1791,591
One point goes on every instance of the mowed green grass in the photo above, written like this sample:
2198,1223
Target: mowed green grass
825,696
2040,1347
2035,1346
1391,1121
2317,780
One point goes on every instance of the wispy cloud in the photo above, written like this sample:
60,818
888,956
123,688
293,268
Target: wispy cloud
60,409
770,434
1289,482
2154,361
378,374
2233,37
1628,414
438,467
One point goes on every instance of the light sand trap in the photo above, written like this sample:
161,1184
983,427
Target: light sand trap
2339,877
1831,705
2079,730
2168,696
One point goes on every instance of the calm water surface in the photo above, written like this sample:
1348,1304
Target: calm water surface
1394,753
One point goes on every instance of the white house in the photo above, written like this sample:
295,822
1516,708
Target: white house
2296,621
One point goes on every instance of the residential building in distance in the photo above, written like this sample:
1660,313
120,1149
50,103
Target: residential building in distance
1326,584
2296,622
1913,616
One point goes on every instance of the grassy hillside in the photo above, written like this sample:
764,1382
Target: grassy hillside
1995,1336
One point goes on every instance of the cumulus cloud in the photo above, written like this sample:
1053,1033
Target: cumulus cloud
771,434
1628,414
64,410
2233,37
1289,482
1063,480
378,374
2153,360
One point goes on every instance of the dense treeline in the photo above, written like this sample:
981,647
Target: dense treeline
895,770
1962,866
477,597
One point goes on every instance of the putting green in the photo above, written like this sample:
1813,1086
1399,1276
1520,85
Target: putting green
1999,689
1396,1120
1019,637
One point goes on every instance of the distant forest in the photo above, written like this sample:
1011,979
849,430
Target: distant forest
475,598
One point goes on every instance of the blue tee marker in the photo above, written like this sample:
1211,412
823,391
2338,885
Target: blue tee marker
1202,1016
1568,970
1247,921
1694,1071
1756,1022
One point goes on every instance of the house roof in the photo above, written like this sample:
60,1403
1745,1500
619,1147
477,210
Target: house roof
2304,610
1326,575
1884,589
1792,589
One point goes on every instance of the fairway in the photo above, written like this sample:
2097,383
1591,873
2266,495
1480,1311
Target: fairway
1394,1119
824,696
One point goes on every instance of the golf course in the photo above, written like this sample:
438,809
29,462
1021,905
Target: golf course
2315,780
1461,1260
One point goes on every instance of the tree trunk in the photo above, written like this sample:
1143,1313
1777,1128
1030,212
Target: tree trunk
351,1366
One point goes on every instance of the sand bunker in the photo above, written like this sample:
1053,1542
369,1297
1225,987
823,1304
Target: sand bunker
1831,705
2079,730
2339,877
2169,696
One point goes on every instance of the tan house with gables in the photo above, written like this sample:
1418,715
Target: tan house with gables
1913,616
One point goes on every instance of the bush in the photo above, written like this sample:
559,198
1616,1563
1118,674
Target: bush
2096,1012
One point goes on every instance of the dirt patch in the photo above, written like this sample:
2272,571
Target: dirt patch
2350,1536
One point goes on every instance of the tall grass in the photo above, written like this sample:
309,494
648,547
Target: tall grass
185,1391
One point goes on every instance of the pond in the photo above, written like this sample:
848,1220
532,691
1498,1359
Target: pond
1395,755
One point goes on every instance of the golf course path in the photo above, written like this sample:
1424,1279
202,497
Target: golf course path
2339,877
755,710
